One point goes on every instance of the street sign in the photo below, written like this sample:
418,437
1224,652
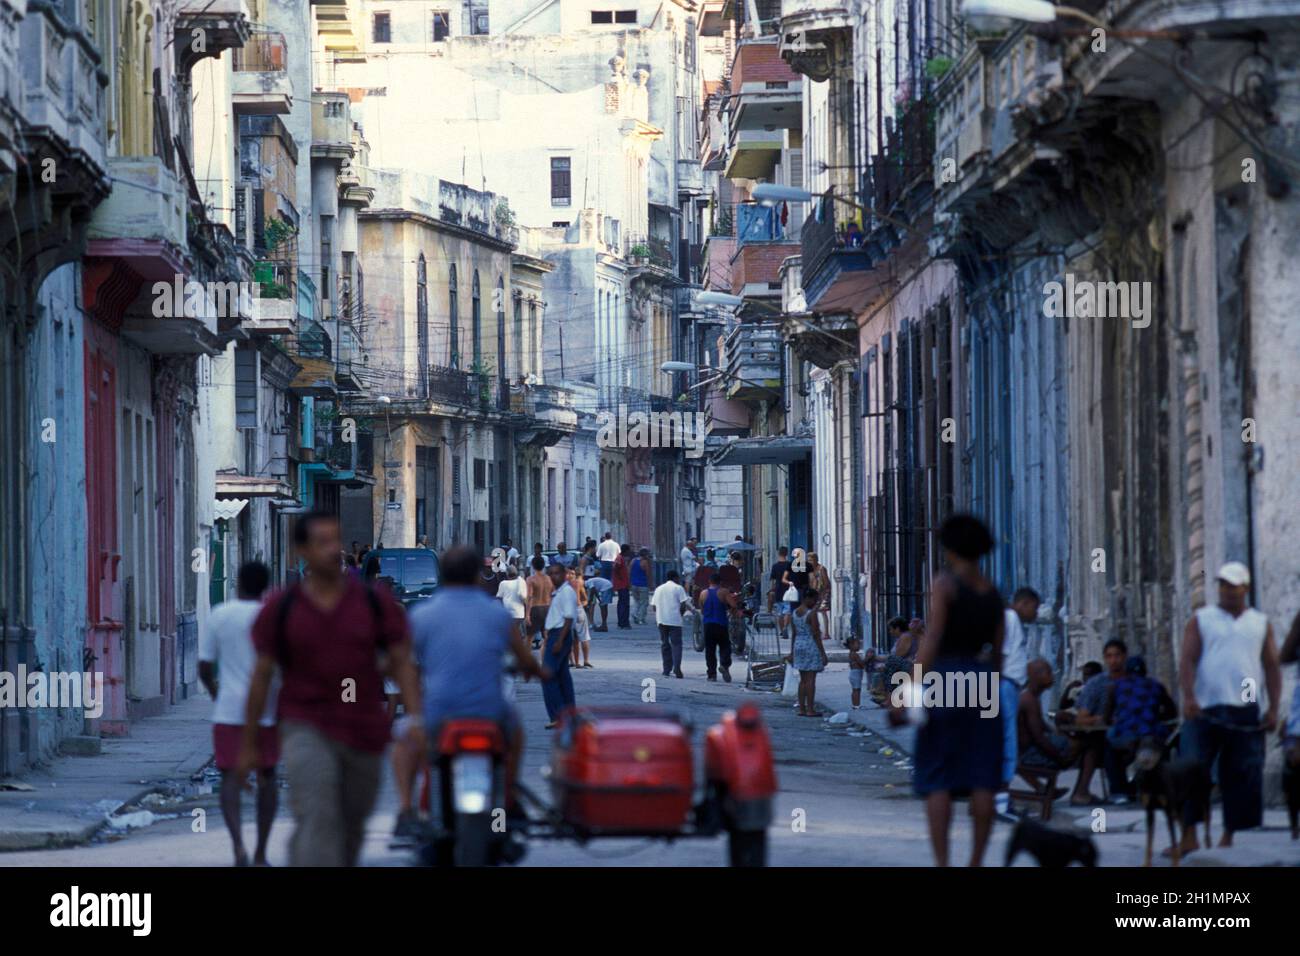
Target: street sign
648,489
393,505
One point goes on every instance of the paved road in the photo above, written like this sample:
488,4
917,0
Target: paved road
840,792
845,798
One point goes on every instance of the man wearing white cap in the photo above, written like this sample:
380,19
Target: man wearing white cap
1228,651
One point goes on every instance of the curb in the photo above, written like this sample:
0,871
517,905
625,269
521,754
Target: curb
893,736
12,840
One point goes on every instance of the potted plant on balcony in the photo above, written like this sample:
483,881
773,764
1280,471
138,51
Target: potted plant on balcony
639,253
482,372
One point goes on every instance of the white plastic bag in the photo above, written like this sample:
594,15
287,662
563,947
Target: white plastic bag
791,595
791,686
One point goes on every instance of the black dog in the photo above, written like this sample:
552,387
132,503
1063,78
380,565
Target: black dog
1050,847
1291,787
1170,783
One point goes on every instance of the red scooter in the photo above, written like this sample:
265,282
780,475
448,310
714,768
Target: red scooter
471,828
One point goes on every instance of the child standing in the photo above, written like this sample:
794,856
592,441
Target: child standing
857,670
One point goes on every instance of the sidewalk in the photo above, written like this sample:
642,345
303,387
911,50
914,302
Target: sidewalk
72,797
1118,830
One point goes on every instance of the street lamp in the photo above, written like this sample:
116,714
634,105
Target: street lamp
688,367
993,15
722,299
775,192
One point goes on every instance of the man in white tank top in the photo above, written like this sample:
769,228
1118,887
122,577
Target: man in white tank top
1228,652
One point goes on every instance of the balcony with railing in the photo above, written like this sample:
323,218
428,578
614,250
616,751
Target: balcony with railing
260,83
454,386
654,252
901,175
752,353
766,93
224,25
810,30
349,451
544,414
761,246
753,153
833,260
976,107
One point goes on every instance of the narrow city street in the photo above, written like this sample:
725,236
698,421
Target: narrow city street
845,796
856,804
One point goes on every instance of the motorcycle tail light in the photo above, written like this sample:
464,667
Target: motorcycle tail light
474,742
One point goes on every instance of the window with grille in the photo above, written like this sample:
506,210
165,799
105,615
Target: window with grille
383,28
441,26
480,473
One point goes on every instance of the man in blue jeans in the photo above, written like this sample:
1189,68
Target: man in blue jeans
560,617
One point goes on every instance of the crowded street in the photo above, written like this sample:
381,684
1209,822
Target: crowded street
852,784
542,435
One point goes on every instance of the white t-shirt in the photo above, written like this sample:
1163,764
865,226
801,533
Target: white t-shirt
564,604
1015,651
1231,655
512,594
228,643
689,562
607,550
667,602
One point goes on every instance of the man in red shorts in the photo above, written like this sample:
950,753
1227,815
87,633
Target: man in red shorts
225,667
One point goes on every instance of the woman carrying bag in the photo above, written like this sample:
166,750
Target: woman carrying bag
809,653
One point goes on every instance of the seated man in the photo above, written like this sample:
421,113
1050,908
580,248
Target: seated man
1070,694
462,637
1137,707
1090,716
1038,748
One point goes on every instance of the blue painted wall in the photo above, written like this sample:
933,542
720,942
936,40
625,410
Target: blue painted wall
57,489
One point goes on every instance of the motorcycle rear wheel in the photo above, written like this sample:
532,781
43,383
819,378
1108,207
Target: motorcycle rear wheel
747,847
474,840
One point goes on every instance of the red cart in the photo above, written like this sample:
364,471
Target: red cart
629,772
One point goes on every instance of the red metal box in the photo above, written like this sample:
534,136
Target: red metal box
623,771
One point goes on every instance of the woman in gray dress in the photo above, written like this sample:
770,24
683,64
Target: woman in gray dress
808,656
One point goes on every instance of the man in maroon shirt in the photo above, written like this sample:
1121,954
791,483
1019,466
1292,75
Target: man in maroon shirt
334,640
623,586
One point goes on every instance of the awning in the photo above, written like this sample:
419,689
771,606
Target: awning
225,510
315,378
764,450
251,486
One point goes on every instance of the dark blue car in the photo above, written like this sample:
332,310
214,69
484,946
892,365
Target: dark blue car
412,573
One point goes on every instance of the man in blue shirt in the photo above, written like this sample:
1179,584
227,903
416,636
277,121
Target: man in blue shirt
462,637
